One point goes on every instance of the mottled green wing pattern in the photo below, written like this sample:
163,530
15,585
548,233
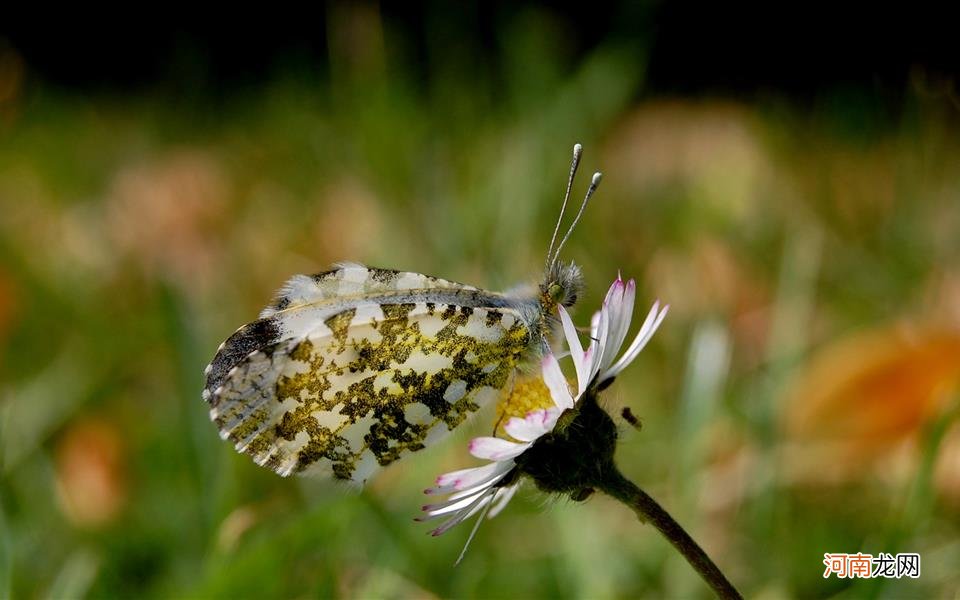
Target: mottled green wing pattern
366,385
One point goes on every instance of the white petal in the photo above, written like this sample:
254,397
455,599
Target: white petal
594,325
501,499
615,293
531,427
630,296
621,313
473,490
452,505
465,513
553,377
492,448
551,417
467,478
601,350
473,532
646,332
645,328
502,471
573,341
652,317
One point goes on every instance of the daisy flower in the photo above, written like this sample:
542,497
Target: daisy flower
487,489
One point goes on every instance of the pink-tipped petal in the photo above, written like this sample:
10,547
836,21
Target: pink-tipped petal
453,477
630,294
473,490
615,293
492,448
546,417
505,468
468,478
621,315
529,428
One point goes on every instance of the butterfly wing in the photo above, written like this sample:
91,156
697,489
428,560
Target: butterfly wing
306,300
340,386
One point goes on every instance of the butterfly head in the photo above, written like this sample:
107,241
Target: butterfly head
562,285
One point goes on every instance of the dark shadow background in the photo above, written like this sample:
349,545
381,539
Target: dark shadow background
802,51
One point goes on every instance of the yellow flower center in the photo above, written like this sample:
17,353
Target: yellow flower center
528,393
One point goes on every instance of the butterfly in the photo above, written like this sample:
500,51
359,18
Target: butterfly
348,370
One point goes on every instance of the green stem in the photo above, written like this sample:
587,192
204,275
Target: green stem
649,511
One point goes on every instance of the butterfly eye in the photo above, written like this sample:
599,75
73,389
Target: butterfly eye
556,292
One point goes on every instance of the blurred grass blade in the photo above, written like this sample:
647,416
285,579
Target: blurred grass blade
33,411
75,577
6,551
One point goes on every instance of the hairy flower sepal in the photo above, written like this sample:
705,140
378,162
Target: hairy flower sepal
577,455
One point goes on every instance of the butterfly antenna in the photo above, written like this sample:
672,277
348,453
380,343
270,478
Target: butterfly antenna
594,183
577,153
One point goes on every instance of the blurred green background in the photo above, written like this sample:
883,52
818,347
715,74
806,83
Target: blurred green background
799,212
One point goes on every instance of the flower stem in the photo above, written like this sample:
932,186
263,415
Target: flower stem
649,511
